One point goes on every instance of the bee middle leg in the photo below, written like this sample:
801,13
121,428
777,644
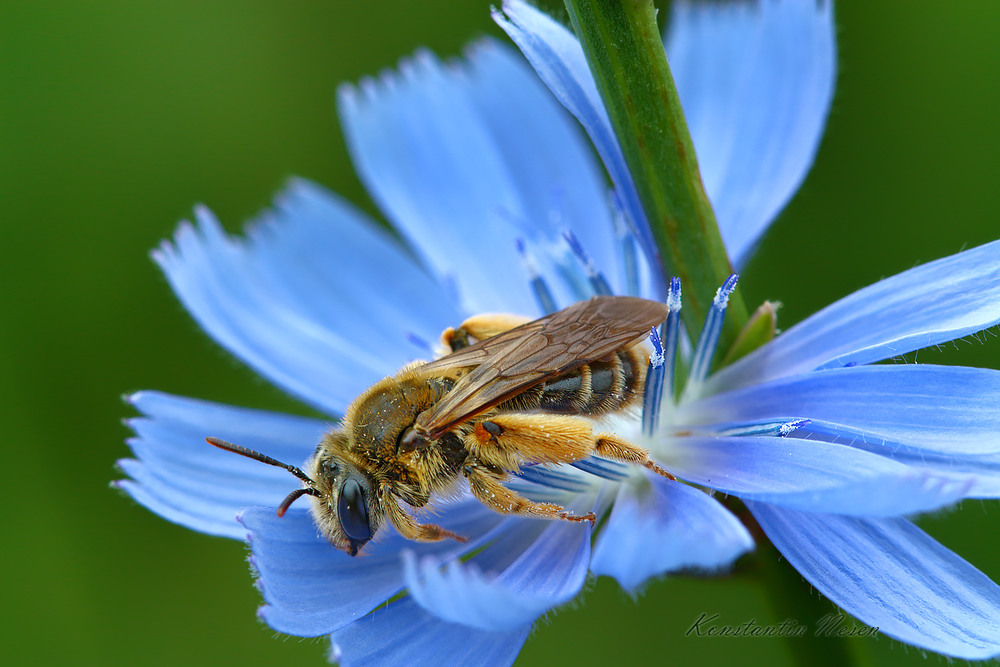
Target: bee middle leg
486,487
477,328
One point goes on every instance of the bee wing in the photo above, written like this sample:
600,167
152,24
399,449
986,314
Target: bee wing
520,358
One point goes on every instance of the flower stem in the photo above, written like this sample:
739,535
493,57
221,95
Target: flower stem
625,52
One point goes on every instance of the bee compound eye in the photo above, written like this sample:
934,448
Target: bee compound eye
353,512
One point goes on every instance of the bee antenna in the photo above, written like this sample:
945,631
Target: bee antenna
263,458
293,496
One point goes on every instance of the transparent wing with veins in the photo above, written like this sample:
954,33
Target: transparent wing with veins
515,360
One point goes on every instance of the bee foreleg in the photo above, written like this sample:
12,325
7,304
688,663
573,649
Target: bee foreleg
411,530
487,488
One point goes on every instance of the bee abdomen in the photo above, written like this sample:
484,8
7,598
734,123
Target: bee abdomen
592,389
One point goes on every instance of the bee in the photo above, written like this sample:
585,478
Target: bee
509,393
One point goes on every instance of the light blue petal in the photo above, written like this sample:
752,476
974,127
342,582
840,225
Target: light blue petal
814,476
307,299
179,476
927,305
890,574
756,86
985,468
547,573
312,588
945,409
326,256
466,160
404,634
558,59
756,81
549,162
659,526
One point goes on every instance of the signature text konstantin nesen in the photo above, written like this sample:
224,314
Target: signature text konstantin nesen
831,625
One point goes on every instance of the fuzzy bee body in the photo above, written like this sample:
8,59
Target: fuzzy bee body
594,389
523,393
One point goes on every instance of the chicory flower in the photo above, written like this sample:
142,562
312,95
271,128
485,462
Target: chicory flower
502,207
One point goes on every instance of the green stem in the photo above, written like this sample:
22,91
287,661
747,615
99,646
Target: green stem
625,52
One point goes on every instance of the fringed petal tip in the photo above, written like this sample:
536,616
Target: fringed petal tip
287,298
176,474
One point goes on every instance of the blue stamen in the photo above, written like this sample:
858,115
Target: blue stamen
552,478
660,373
701,362
540,288
627,245
659,394
419,341
597,280
539,492
670,333
602,468
654,386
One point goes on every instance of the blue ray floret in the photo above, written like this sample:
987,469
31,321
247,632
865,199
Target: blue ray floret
500,205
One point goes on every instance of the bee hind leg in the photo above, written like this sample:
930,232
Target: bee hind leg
486,487
612,447
477,328
509,440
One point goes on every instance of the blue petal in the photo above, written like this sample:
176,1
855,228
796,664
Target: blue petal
890,574
927,305
306,300
984,468
547,573
658,527
558,59
312,588
550,164
945,409
467,160
404,634
815,476
756,81
184,479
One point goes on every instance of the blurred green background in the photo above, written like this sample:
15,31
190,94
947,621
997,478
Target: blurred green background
115,117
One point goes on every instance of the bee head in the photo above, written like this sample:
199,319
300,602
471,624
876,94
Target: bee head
343,495
346,509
